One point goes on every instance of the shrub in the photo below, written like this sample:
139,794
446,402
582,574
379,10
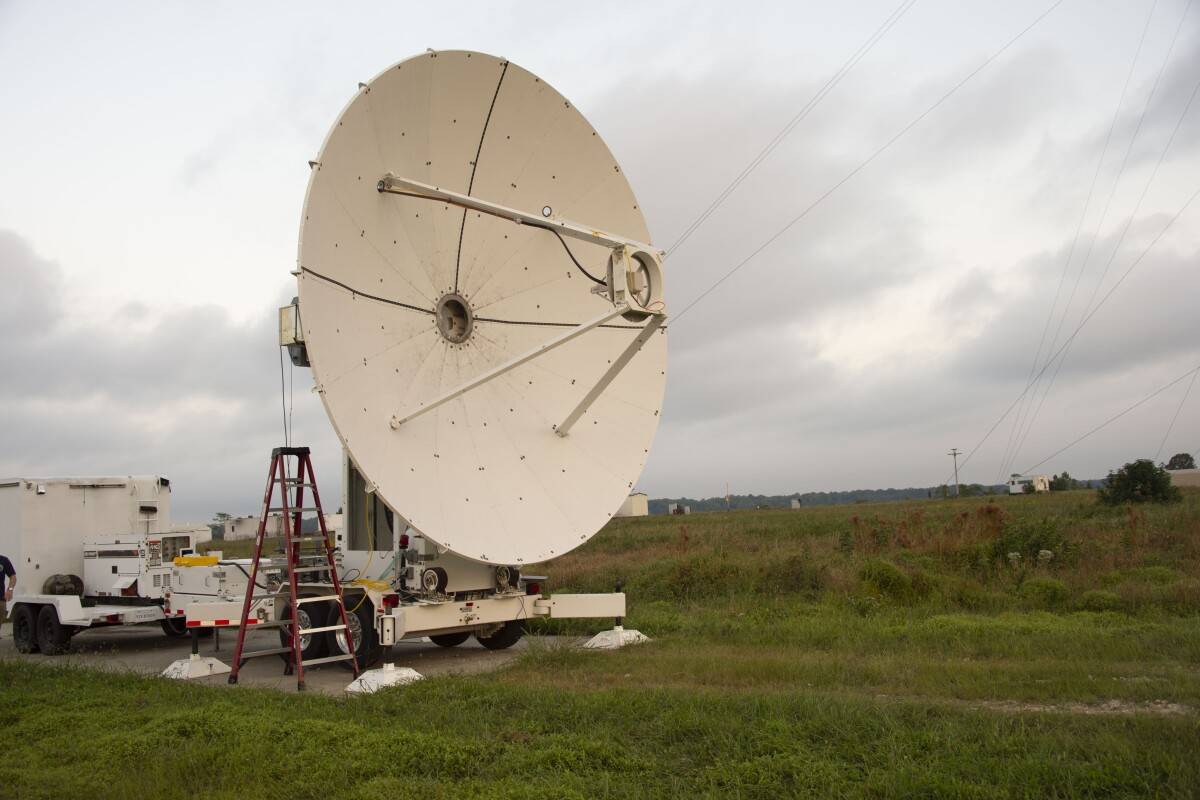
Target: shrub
971,596
1099,600
888,580
864,605
1029,538
1045,593
1140,481
793,575
846,542
701,576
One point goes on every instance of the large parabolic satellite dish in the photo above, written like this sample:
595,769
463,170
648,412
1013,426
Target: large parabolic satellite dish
491,393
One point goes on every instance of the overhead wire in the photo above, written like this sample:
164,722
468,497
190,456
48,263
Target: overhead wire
1182,402
283,400
863,165
1115,417
1079,327
1129,220
1154,172
1014,433
848,65
291,397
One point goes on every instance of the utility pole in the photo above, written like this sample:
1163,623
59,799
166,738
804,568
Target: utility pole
954,452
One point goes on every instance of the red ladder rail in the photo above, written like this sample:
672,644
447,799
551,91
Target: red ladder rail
292,511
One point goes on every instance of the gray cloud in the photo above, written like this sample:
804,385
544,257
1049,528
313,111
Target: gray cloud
192,395
895,321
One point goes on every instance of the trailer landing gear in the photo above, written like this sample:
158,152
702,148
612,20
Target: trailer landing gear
195,666
388,675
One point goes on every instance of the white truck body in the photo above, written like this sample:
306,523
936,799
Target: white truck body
45,522
1019,484
96,550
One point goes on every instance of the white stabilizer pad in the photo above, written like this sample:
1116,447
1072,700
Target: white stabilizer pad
194,667
388,675
617,637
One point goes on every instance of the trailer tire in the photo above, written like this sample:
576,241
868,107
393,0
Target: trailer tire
312,615
24,622
368,651
508,635
53,637
175,627
450,639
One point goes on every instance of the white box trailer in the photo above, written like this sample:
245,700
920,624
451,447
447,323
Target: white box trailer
88,552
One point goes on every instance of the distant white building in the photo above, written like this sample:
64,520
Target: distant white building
236,528
675,508
1017,483
1184,477
635,505
795,502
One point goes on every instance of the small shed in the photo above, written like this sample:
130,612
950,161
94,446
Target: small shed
1017,484
635,505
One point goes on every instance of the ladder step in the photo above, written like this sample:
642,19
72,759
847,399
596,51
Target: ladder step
291,510
307,537
327,659
322,629
324,568
294,482
318,599
274,651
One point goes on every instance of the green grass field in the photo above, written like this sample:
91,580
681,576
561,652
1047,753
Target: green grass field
1026,646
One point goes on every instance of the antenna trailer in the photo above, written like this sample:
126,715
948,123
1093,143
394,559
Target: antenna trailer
483,315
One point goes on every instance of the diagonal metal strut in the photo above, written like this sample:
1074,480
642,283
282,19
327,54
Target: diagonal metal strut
511,364
619,364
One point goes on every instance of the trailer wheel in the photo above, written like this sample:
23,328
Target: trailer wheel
508,635
311,615
367,649
53,637
175,627
450,639
24,622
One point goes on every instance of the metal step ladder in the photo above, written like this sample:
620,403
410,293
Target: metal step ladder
291,508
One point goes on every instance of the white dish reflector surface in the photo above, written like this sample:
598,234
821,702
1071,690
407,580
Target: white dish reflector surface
484,475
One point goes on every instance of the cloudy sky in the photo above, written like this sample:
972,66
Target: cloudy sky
154,166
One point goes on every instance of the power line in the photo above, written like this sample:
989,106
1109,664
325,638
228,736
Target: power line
1153,174
1080,326
1132,215
283,399
954,452
770,240
1182,401
1115,417
1014,437
812,103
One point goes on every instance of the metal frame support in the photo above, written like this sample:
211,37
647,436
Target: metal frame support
563,428
509,365
393,184
628,259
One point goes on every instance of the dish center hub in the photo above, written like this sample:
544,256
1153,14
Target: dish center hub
454,318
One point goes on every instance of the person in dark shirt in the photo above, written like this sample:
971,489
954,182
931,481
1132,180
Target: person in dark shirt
8,579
